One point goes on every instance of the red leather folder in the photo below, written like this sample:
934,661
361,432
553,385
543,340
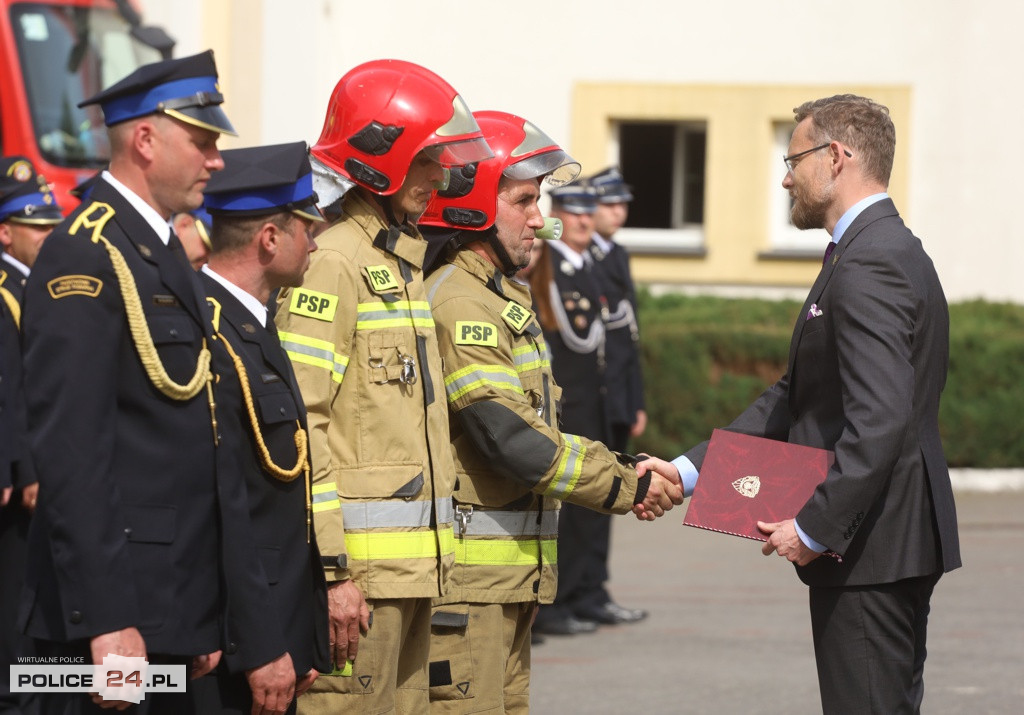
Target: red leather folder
747,479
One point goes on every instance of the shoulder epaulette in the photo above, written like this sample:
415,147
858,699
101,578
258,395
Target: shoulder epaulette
95,218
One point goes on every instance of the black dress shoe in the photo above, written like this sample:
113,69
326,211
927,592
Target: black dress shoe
612,613
536,638
568,626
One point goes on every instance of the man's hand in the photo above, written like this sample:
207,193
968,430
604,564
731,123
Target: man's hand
306,681
203,664
272,686
783,539
127,642
349,617
29,496
5,495
666,488
639,425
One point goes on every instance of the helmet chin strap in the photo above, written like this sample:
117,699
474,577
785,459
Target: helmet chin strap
508,268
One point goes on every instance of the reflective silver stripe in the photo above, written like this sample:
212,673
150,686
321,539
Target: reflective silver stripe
395,514
474,376
512,523
569,467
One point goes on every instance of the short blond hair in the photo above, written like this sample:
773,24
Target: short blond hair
861,123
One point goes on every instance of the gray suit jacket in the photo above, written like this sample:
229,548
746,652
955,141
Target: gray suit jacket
867,365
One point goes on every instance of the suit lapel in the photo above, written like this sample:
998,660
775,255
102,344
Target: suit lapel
876,211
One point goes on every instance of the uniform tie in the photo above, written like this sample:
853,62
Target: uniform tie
828,252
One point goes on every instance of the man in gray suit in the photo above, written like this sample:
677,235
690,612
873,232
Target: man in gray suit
867,365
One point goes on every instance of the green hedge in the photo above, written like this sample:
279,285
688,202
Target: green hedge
705,359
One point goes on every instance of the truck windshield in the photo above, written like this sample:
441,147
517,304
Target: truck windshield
68,54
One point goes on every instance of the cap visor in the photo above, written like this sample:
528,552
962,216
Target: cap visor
210,117
311,212
557,166
48,216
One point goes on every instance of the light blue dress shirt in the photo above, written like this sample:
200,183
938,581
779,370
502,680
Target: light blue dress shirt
687,472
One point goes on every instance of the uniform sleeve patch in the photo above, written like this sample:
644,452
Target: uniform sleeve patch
471,332
381,279
516,316
313,304
74,285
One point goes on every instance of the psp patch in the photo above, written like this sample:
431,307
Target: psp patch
381,279
313,304
472,332
516,316
74,285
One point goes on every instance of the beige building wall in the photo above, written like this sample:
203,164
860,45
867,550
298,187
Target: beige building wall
947,69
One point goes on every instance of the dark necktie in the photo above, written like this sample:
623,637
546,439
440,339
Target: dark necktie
828,252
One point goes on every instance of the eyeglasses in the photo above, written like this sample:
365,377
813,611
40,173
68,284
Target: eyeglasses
790,161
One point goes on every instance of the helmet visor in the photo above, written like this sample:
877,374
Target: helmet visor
460,153
555,166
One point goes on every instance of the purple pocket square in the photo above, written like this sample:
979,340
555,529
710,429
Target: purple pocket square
814,312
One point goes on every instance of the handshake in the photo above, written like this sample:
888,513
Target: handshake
665,489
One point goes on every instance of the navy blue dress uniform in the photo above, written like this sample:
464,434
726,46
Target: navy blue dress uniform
578,365
25,200
285,609
131,525
623,377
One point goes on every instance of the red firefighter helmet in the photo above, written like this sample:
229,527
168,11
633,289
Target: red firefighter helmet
383,113
521,151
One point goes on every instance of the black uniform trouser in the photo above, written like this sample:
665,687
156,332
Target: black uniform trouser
14,523
869,645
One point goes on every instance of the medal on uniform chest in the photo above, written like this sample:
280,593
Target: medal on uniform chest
584,304
567,268
580,321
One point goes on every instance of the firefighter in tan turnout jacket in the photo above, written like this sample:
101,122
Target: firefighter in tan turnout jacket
362,340
513,466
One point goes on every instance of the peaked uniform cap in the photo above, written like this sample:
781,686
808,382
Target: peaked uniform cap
611,188
25,197
575,198
184,88
263,180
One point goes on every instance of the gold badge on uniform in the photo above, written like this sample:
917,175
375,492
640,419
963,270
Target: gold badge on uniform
516,316
381,279
472,332
74,285
313,304
584,304
20,171
580,321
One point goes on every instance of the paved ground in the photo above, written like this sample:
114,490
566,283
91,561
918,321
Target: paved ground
729,630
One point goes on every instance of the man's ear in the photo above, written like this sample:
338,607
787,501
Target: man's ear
5,235
269,236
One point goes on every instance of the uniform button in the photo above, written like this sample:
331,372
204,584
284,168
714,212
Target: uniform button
282,410
174,332
232,648
76,617
128,531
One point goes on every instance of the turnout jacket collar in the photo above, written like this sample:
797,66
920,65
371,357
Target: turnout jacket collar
411,249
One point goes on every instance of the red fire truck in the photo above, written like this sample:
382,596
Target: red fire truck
54,54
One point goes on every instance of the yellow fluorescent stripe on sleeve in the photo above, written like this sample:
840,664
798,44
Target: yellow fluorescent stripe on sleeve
480,552
374,545
475,376
569,467
324,497
401,313
318,353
